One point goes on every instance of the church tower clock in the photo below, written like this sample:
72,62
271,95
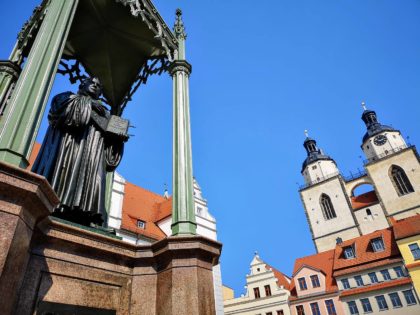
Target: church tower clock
379,140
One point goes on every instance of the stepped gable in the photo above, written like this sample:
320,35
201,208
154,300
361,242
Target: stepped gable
323,262
282,279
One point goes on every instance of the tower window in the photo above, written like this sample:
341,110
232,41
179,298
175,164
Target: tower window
368,212
257,293
400,180
327,207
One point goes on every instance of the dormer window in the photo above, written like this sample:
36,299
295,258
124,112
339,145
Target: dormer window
141,224
378,244
349,252
302,284
315,281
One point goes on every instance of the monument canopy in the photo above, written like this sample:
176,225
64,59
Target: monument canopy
115,40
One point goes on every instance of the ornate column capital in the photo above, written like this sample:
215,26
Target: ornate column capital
9,67
180,66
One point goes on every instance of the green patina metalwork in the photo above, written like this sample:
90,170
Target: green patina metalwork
21,122
183,214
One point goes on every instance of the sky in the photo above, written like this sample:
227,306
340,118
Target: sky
263,72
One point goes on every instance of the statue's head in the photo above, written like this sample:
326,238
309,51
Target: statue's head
91,87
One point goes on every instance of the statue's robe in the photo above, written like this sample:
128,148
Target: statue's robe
75,154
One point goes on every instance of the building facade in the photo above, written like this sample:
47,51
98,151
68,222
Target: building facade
142,217
407,235
313,288
371,276
391,173
267,292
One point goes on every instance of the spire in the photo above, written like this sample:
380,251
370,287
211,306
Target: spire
180,34
313,152
166,193
373,126
309,143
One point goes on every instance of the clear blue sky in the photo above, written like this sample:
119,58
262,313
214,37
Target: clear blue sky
263,71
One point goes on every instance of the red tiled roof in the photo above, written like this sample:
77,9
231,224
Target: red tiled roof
142,204
370,265
34,154
407,227
364,200
376,286
282,279
322,261
363,250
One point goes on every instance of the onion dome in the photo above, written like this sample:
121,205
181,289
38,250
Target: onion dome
313,152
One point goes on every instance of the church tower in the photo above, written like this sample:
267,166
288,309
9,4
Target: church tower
325,199
379,140
392,166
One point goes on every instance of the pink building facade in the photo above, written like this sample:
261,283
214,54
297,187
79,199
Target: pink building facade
313,288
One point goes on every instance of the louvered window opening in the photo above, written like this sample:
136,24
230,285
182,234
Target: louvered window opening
327,208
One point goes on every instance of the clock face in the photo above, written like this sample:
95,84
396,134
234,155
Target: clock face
380,140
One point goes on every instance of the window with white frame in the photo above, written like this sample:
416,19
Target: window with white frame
415,250
349,252
141,224
380,299
378,244
395,300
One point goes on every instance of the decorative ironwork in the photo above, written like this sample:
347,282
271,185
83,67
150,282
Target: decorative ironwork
387,153
74,69
29,31
319,180
154,22
151,66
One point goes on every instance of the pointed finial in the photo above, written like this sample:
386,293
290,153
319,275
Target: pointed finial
306,133
166,194
364,106
256,253
179,28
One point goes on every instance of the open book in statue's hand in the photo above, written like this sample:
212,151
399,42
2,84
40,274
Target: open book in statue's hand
118,126
111,125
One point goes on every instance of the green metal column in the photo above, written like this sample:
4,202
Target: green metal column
27,105
183,214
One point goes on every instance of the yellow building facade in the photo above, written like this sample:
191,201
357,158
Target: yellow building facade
407,235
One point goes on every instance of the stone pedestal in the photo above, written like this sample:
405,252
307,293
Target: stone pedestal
25,199
47,265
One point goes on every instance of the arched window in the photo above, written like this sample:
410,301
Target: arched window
327,207
400,180
368,212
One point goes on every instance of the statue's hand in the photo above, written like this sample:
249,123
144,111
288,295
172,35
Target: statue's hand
99,108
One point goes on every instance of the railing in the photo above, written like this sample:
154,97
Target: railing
387,153
354,176
318,180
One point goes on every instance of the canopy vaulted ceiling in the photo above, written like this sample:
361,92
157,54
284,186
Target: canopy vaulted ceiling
113,44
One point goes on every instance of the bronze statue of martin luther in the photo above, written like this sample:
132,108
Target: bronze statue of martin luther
82,143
